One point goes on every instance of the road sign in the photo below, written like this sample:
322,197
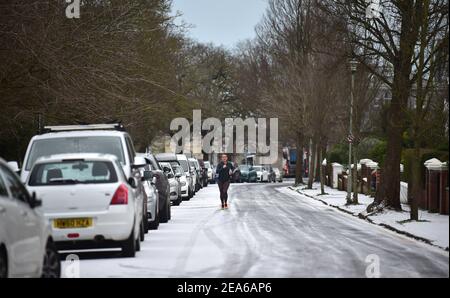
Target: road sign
350,138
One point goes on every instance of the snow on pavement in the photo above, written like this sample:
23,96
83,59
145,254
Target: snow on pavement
431,226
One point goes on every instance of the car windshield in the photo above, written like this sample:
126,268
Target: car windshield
185,165
104,145
244,167
73,172
174,164
178,170
194,164
258,168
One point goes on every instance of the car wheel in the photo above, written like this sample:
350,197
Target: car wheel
138,244
52,264
142,232
155,223
145,221
165,213
170,212
129,246
3,263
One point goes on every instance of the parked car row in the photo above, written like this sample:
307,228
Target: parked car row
83,187
247,173
257,173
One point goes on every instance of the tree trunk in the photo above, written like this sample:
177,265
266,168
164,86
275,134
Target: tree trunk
322,174
318,164
316,158
312,155
389,191
299,164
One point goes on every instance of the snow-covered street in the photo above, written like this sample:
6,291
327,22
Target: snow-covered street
269,231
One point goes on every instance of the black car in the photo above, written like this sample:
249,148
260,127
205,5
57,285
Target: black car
237,175
203,173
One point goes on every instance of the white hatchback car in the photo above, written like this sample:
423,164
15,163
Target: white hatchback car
262,174
26,245
89,201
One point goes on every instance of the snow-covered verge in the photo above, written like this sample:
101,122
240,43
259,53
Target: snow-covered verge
431,228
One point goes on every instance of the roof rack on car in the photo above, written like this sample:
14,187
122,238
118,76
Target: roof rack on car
62,128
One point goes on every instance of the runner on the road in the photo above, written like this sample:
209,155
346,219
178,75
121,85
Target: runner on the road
224,170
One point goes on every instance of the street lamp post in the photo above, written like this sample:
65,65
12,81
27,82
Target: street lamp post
353,65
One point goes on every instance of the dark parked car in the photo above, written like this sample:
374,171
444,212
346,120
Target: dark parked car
248,173
163,186
236,177
203,172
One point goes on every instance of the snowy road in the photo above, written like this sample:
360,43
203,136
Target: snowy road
269,231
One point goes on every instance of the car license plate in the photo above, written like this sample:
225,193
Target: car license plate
71,223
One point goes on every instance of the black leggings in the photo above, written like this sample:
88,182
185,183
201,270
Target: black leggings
223,187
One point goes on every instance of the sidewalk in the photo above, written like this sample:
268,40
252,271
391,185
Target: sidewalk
431,228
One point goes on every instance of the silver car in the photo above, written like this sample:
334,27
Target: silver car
278,175
174,182
149,182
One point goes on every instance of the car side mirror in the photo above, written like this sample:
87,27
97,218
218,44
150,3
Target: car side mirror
133,182
34,201
139,162
170,175
14,165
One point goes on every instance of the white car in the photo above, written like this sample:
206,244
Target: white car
262,174
195,169
278,175
183,160
26,244
175,186
96,138
184,187
89,202
209,170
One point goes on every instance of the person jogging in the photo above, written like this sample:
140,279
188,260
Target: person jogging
224,170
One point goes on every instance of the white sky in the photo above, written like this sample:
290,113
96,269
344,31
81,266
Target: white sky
222,22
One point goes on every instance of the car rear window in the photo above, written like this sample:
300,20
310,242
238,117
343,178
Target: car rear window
94,144
73,172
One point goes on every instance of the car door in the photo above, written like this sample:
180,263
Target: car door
139,193
8,234
24,223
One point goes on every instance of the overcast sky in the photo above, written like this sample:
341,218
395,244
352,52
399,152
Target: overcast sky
222,22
